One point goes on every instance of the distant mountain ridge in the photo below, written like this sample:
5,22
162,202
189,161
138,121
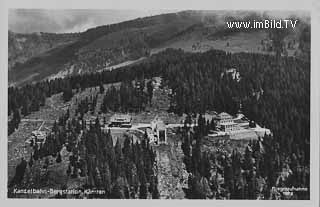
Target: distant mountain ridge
34,57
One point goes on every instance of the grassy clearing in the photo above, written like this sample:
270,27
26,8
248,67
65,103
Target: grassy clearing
238,42
17,148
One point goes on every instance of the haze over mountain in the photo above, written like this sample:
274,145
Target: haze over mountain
69,20
37,56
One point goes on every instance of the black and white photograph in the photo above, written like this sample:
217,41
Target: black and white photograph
209,104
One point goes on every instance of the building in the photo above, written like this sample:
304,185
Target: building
38,136
237,127
224,118
234,74
241,122
120,120
240,119
158,133
225,122
230,126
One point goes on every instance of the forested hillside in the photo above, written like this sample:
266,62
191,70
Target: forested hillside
274,92
247,172
122,170
266,83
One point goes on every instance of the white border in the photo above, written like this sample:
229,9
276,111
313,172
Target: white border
313,6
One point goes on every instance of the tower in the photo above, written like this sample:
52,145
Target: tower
159,130
239,113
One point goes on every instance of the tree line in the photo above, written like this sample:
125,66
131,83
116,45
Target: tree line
130,97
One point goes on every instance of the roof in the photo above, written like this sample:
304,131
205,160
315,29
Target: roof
38,133
231,70
224,115
120,118
228,124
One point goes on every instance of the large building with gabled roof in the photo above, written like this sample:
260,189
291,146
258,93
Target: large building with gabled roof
120,120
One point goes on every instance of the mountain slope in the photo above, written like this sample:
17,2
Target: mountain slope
104,46
25,46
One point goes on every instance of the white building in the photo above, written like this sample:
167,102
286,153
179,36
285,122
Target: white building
231,126
233,73
225,122
238,127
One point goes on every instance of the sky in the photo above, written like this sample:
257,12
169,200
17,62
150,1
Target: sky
79,20
71,20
